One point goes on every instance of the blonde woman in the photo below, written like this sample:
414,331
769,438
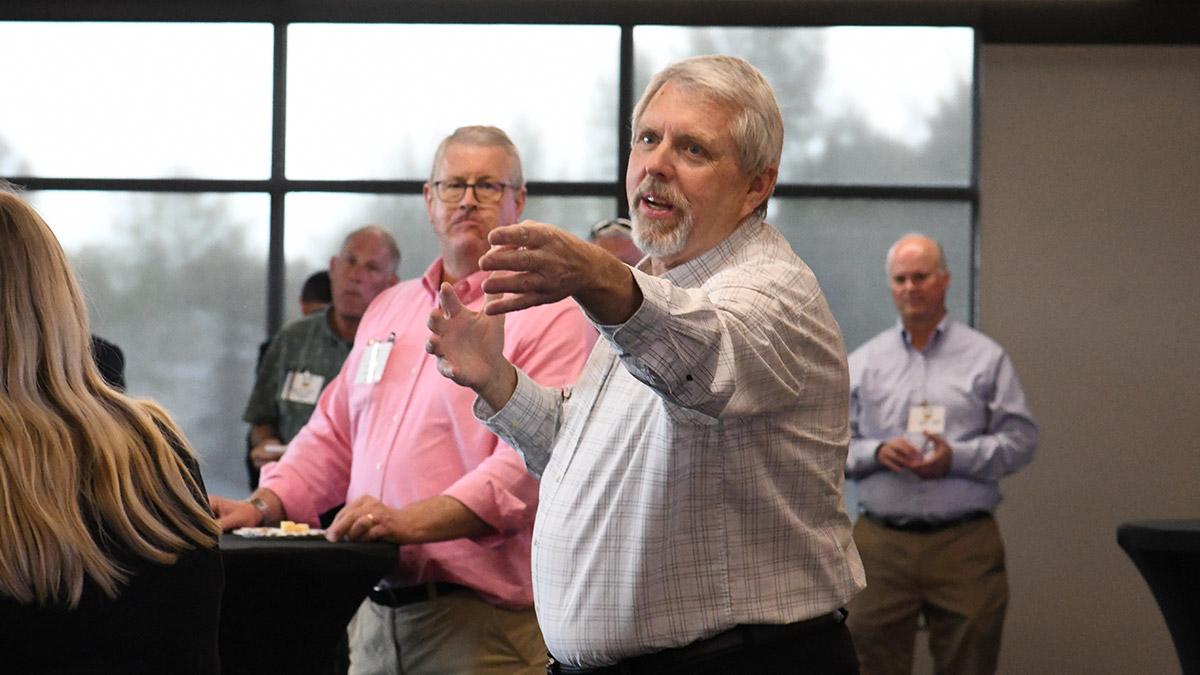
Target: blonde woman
108,553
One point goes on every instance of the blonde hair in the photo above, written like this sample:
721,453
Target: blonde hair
83,468
485,136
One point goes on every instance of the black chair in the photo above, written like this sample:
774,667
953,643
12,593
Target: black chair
110,360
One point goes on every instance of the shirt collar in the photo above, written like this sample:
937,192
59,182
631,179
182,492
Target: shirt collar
468,289
700,269
938,331
327,329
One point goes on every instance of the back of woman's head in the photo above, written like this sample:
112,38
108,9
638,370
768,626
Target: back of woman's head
44,321
79,461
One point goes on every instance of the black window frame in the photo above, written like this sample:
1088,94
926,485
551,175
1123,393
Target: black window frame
993,21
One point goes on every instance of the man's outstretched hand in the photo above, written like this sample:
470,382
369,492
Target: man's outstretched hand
469,347
534,263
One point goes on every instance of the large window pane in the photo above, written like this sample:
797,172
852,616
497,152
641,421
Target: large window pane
144,100
177,281
373,101
318,222
573,214
868,105
845,243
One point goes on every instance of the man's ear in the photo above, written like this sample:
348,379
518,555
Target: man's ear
761,187
520,200
427,193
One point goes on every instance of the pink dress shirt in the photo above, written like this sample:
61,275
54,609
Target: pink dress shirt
412,436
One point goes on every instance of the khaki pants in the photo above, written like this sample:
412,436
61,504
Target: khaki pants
955,577
452,634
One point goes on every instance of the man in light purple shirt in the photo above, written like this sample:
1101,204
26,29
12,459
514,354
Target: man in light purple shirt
937,417
399,444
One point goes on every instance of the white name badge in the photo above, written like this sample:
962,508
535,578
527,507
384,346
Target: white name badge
302,387
927,419
374,358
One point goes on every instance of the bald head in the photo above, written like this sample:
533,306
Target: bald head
376,237
917,274
921,243
364,268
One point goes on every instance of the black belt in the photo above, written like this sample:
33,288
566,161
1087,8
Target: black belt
399,596
925,525
735,639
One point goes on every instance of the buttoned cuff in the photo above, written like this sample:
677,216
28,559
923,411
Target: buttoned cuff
291,492
527,421
631,336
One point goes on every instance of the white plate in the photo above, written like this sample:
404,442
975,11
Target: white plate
277,533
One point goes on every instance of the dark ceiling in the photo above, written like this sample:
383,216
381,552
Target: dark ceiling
997,21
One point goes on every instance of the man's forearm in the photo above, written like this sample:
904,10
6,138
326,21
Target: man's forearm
613,296
442,518
499,389
261,433
269,505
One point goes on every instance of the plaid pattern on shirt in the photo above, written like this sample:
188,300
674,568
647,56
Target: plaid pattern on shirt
692,479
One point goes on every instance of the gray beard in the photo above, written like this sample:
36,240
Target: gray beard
660,242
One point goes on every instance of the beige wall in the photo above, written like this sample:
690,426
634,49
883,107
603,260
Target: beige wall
1090,276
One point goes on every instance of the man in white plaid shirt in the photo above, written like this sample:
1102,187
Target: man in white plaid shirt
691,514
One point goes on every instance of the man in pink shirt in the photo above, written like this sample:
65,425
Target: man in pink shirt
398,443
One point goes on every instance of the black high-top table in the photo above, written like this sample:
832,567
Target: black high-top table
287,601
1167,553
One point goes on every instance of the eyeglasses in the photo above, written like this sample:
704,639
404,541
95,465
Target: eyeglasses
618,224
452,191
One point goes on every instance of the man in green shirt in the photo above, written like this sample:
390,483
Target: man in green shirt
306,354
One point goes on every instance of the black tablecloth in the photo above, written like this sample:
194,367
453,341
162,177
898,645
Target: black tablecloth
287,601
1167,553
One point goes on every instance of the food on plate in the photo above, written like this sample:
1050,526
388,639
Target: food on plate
291,531
288,527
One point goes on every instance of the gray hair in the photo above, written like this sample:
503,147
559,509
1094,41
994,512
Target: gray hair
757,126
389,242
941,261
485,136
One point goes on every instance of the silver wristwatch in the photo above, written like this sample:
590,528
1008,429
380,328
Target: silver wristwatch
262,507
